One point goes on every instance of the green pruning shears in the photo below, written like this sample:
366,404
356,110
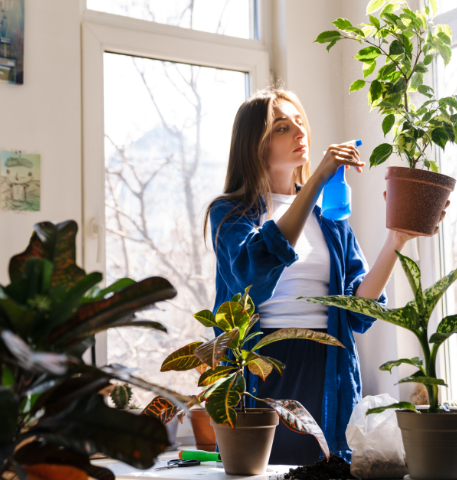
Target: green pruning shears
179,463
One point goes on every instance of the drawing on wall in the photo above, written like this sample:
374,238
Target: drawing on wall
12,41
20,181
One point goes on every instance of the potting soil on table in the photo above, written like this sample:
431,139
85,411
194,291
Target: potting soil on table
336,468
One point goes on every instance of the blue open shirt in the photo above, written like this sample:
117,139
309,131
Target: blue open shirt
251,255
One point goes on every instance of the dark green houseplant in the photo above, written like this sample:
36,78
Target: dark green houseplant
415,317
398,48
51,415
224,384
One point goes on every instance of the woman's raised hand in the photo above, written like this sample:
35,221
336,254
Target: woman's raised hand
335,157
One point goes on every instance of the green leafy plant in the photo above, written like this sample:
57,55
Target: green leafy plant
52,417
407,41
121,396
224,385
415,317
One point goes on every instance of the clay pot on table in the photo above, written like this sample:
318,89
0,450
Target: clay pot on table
430,441
415,199
245,449
205,439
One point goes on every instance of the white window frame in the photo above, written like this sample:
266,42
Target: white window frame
448,353
103,32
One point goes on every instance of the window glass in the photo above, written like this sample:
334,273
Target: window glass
446,5
447,85
167,137
226,17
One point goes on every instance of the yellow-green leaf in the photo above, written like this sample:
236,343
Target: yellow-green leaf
206,318
416,361
211,376
299,334
397,406
211,352
446,328
357,85
182,359
374,5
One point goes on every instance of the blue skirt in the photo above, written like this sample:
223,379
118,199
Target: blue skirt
303,380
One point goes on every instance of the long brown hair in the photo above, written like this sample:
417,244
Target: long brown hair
247,180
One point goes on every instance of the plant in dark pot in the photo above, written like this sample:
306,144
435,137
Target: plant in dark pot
244,435
429,436
51,414
408,41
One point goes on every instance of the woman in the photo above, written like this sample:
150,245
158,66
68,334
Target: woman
268,232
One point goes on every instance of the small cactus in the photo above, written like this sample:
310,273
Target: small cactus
121,396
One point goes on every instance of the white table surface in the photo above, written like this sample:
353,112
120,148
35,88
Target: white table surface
205,471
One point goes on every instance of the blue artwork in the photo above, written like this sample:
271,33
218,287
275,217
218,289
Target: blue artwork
12,41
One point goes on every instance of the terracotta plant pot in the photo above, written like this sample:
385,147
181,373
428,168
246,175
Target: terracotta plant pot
205,438
415,199
245,449
430,441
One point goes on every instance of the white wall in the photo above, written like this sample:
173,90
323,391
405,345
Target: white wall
44,116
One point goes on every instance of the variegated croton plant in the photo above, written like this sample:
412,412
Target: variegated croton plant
222,361
415,317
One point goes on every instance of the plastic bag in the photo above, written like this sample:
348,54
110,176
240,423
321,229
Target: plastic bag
375,440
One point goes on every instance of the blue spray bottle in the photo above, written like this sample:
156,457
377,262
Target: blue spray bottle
337,197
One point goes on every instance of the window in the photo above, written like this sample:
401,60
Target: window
446,5
158,107
446,84
167,138
236,18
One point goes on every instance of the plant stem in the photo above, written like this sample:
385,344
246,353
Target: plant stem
242,404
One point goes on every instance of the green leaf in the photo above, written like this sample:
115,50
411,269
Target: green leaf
331,45
374,5
388,123
421,69
428,59
446,53
113,288
206,318
89,426
231,315
254,319
375,22
115,309
444,38
357,85
9,414
413,274
434,166
380,154
56,243
400,86
403,317
368,68
386,70
220,404
423,379
251,336
342,23
211,352
258,365
396,48
246,301
397,406
416,361
434,5
211,376
327,37
295,416
299,334
439,136
368,54
425,90
446,328
375,91
182,359
417,80
449,131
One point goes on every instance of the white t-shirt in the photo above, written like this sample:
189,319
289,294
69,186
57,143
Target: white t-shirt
309,276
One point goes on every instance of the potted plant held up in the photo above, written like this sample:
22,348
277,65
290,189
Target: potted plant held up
245,448
430,436
408,41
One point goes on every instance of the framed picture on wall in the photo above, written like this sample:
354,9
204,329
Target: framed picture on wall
12,41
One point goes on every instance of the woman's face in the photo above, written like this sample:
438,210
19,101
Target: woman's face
288,147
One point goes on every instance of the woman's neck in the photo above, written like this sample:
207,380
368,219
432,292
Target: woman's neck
282,182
